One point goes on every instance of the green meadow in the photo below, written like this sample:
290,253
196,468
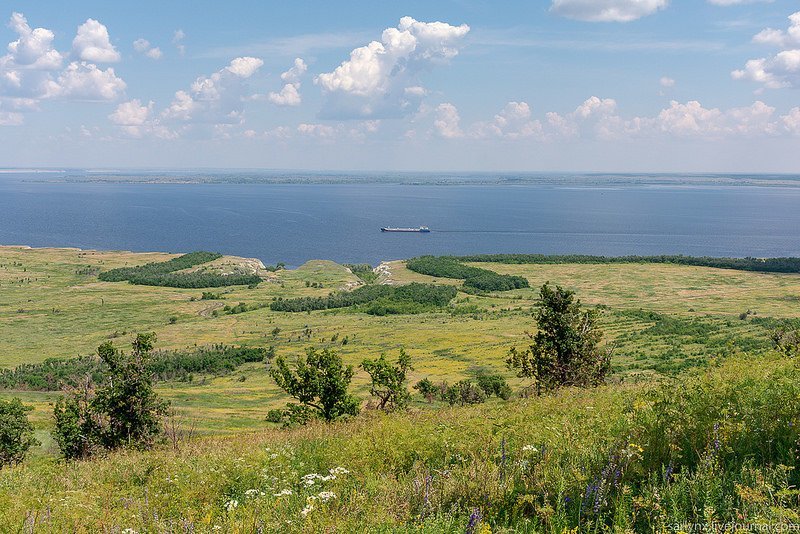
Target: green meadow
524,463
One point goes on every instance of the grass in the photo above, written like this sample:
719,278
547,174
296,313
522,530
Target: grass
52,305
589,460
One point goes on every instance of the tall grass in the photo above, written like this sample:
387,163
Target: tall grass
716,445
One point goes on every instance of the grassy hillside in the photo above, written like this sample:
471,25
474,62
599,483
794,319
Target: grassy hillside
662,319
717,445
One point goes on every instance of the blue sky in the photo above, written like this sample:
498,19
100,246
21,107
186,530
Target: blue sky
571,85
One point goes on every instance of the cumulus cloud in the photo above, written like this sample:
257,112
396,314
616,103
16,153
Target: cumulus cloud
448,121
92,43
86,81
289,95
372,83
215,99
735,2
177,39
606,10
513,122
143,47
666,82
32,70
781,69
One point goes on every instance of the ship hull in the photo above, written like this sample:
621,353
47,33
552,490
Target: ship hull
406,230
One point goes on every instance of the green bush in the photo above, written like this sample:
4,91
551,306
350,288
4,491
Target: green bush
164,273
16,432
474,277
379,299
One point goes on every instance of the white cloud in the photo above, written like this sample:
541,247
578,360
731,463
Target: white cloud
215,99
297,70
288,96
177,39
92,43
143,47
783,68
34,48
791,121
372,83
86,81
447,123
513,122
606,10
726,3
667,82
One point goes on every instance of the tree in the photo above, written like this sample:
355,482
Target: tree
494,385
128,399
427,389
16,432
78,427
565,351
389,381
124,411
320,381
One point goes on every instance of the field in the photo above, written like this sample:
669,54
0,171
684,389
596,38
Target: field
696,388
661,319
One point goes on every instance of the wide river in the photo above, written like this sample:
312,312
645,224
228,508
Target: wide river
341,222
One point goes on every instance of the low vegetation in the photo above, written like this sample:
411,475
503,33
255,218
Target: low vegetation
764,265
375,299
56,373
474,277
16,432
164,274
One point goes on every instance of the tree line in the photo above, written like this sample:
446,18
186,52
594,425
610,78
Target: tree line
164,274
767,265
55,373
382,298
474,277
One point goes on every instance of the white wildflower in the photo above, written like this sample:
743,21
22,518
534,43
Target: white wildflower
231,505
281,493
339,471
251,492
325,496
304,512
529,448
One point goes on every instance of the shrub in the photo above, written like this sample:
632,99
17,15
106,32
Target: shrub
494,385
565,351
320,382
16,432
474,277
426,388
164,273
389,381
380,299
464,392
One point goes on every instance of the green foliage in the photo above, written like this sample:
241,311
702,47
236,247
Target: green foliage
124,411
389,381
474,277
787,340
292,416
463,392
494,385
56,373
767,265
380,299
426,388
16,432
565,351
164,273
78,425
320,381
208,295
364,271
127,398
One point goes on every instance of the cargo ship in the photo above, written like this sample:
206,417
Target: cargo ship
420,230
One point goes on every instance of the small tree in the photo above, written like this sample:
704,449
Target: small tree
389,381
128,399
319,381
78,427
16,432
494,385
565,351
427,389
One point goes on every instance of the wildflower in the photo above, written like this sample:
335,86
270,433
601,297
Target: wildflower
128,531
339,471
475,519
283,492
325,496
251,492
231,505
529,448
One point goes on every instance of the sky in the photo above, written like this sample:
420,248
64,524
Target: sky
451,85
